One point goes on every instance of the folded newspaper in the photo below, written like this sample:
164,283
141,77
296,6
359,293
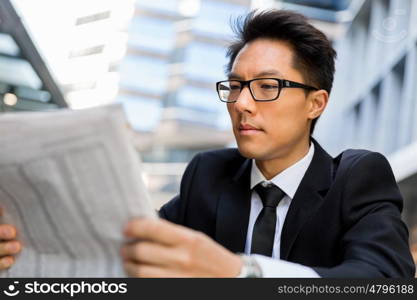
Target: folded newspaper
69,182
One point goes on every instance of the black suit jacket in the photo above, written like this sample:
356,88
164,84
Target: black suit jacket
344,219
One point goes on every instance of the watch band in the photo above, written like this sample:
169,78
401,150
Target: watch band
250,267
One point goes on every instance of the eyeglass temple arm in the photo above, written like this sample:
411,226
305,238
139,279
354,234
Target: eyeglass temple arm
292,84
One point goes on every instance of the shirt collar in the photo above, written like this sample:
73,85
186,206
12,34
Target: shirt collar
289,179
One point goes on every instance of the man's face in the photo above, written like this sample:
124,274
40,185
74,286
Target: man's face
268,130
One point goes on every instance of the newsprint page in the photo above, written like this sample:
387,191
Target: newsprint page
69,182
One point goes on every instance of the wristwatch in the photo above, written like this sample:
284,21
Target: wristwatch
250,267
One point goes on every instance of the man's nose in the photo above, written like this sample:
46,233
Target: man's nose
245,101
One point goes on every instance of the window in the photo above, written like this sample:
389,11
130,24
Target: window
206,102
17,71
215,16
152,33
163,5
8,45
144,73
143,114
210,68
199,99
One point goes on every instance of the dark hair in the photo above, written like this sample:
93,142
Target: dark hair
314,55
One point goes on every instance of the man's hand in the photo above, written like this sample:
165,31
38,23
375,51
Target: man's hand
164,249
9,246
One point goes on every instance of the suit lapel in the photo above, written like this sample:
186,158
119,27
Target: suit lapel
307,199
233,210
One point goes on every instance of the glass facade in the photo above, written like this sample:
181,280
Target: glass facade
176,53
143,73
197,98
144,113
24,80
210,68
158,5
334,11
326,4
152,34
214,17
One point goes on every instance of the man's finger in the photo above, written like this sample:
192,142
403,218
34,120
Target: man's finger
9,248
6,262
151,254
157,230
138,270
7,232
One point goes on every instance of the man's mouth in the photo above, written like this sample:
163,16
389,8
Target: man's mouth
248,129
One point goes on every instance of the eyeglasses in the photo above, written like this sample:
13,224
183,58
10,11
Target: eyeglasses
261,89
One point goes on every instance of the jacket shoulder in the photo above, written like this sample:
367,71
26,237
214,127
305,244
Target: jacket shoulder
222,160
222,154
352,158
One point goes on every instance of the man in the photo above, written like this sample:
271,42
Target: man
280,199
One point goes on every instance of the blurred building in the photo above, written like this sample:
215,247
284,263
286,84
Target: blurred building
81,42
25,81
163,65
330,16
326,10
176,53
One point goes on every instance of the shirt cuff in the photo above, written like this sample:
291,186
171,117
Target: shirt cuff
276,268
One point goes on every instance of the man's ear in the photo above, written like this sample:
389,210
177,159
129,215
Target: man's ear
318,102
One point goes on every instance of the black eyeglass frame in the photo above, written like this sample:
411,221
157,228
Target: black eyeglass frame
282,83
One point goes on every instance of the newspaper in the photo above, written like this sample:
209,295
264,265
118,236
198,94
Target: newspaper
69,182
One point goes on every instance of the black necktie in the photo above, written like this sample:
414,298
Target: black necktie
264,229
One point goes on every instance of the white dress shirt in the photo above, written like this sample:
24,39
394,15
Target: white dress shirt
288,181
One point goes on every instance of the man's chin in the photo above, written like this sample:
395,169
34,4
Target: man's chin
248,152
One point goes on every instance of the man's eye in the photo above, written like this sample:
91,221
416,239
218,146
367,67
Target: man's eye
269,86
235,87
